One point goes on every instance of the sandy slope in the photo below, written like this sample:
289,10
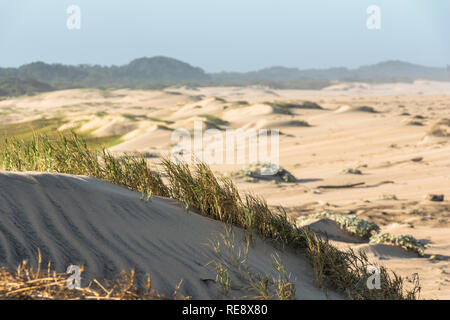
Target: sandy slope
84,221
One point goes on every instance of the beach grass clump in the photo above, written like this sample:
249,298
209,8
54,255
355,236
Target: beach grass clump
404,241
355,226
299,123
329,264
71,155
101,114
352,171
365,109
274,170
389,196
309,105
414,123
163,127
197,188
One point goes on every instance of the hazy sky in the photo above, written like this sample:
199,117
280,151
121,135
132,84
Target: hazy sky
232,35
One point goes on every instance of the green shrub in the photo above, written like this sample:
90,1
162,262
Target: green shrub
366,109
355,226
261,170
352,171
405,241
300,123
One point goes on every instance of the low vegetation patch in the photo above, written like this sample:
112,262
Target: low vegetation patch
134,117
414,123
18,87
368,230
213,121
163,127
264,171
357,227
299,123
389,196
168,122
405,241
286,107
26,130
232,259
29,130
101,114
365,109
352,171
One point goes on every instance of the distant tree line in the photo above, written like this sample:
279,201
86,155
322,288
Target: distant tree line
161,72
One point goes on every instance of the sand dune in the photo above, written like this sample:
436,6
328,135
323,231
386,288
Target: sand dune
83,221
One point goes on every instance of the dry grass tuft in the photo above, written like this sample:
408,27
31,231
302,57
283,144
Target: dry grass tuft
27,283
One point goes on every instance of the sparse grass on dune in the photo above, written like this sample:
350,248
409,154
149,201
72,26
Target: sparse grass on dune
168,122
213,121
365,109
218,198
299,123
27,131
286,107
231,257
134,117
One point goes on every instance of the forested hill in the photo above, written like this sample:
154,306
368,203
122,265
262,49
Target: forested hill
160,72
